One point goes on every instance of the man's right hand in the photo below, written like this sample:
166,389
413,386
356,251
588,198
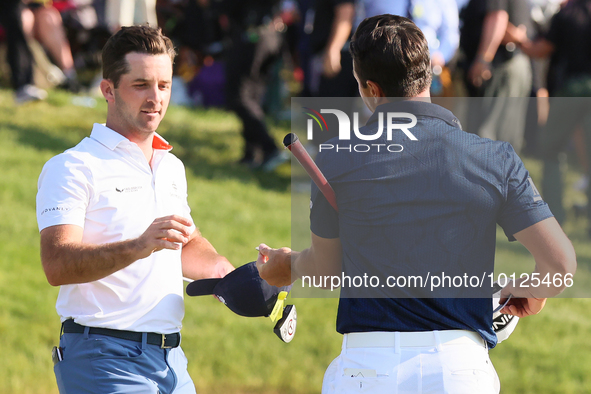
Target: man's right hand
274,265
169,232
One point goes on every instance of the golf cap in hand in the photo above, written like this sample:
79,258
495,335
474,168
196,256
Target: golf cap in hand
503,325
242,290
247,294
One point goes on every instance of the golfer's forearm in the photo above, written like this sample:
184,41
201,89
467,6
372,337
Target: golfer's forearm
555,258
542,284
550,277
559,266
71,263
300,266
200,260
310,263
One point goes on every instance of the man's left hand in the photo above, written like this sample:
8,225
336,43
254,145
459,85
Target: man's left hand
522,303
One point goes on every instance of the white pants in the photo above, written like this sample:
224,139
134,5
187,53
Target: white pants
412,363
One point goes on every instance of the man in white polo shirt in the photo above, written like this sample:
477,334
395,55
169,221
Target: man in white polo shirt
117,235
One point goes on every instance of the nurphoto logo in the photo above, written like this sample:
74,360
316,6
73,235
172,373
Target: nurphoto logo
344,132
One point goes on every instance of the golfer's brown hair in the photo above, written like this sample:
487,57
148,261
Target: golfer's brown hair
392,51
140,39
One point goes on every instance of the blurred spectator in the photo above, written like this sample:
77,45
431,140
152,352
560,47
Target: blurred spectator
439,22
331,63
207,87
461,4
255,46
568,42
19,56
303,54
437,19
496,68
541,13
100,9
199,72
84,31
43,22
329,26
130,12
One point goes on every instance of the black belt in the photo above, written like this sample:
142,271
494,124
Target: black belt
165,341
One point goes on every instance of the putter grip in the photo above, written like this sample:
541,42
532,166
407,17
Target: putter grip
292,142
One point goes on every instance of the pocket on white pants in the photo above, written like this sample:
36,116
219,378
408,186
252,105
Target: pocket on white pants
469,371
344,377
373,385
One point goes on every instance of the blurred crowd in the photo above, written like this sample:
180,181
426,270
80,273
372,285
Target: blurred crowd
250,56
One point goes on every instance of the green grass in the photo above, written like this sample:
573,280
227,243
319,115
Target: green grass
235,209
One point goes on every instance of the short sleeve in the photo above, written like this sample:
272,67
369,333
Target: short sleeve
324,220
523,205
64,191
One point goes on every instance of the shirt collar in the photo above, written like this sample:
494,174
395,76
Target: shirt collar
160,143
111,139
417,108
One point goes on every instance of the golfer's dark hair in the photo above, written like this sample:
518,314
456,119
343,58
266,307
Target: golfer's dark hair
392,51
140,39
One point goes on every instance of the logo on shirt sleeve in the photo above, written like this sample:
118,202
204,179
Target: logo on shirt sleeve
54,209
536,193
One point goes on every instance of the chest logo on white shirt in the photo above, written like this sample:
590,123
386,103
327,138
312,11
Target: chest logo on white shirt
130,189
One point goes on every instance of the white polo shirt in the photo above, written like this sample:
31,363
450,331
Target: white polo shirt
106,186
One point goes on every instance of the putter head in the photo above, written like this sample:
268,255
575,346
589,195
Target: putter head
245,293
286,326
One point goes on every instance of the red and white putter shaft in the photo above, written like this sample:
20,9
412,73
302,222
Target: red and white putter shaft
292,142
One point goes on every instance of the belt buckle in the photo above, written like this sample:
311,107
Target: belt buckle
163,346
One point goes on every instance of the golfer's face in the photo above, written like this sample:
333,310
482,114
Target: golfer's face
143,94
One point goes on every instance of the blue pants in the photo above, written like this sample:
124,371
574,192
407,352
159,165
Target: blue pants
101,364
